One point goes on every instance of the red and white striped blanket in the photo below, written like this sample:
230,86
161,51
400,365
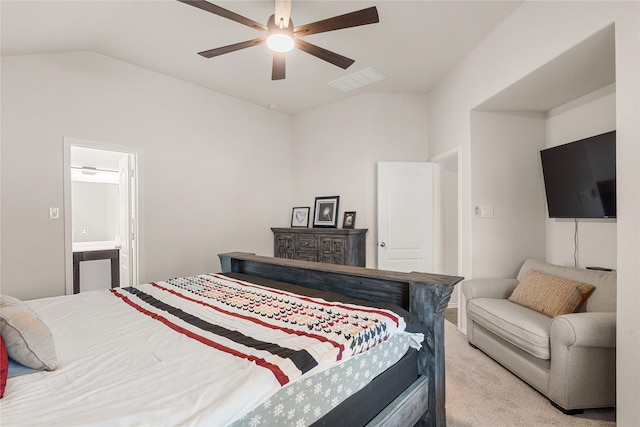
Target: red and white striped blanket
190,352
286,334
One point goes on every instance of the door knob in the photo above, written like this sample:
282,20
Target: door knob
383,244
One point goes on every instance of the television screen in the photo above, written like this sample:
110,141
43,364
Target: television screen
580,178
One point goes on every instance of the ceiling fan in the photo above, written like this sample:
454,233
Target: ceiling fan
281,36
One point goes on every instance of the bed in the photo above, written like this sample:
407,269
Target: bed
145,355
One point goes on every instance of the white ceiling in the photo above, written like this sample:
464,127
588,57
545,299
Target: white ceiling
415,44
583,69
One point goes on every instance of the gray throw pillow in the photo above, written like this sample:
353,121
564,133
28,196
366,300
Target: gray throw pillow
28,340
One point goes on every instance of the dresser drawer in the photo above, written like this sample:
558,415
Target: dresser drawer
307,242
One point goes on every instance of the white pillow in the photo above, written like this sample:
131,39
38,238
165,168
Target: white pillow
27,338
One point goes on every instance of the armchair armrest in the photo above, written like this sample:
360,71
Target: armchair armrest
591,329
583,360
488,288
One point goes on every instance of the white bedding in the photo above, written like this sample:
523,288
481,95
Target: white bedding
121,367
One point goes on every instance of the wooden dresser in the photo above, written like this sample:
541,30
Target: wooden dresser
328,245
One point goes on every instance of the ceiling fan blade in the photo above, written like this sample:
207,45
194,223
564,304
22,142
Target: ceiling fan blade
231,48
353,19
278,69
324,54
283,12
217,10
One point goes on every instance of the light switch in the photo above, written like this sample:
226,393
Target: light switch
54,212
486,211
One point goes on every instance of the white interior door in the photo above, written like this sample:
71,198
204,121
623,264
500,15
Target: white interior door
408,209
124,218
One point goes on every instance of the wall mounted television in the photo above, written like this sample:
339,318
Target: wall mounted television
580,178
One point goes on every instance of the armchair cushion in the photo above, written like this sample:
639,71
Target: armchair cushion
522,327
550,295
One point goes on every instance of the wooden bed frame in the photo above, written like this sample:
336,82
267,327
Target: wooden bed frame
427,295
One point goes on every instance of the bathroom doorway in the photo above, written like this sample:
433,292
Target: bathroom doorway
101,211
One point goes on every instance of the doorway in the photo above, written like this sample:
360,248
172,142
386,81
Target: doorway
101,215
450,219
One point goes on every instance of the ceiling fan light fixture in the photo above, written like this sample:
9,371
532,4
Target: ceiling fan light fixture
279,37
280,42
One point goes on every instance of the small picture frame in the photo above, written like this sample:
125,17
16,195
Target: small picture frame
326,212
349,220
300,217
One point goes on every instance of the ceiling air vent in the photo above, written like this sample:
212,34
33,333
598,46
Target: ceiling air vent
359,79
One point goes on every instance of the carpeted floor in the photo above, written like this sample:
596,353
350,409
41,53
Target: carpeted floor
481,393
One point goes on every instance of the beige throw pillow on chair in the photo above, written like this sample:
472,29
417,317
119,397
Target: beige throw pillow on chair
550,295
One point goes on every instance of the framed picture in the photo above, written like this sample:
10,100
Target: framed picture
300,217
349,220
326,212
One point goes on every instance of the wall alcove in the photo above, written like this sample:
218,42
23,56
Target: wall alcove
507,132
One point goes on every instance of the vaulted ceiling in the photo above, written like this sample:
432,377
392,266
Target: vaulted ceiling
415,44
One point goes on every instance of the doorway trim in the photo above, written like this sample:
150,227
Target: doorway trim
456,152
68,238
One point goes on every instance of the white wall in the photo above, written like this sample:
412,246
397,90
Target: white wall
336,149
590,115
533,35
505,175
216,170
95,207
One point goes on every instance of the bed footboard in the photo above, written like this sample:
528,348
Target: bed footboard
426,295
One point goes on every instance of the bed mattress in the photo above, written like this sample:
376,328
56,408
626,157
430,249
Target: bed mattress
119,370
